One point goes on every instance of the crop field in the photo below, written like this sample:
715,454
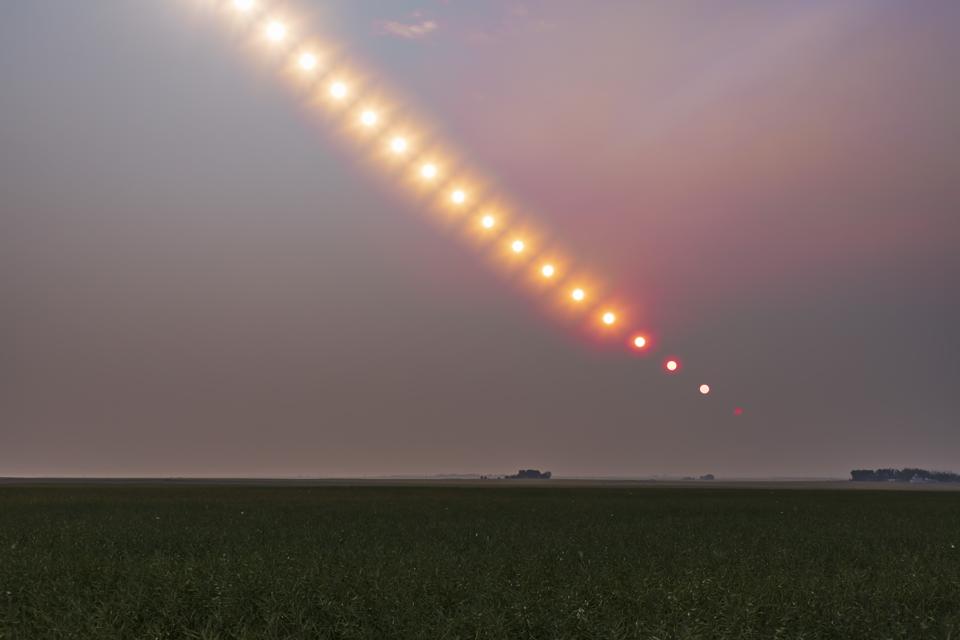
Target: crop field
476,561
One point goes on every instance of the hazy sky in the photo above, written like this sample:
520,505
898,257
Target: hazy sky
198,278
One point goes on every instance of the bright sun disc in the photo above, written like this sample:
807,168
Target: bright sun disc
578,295
429,171
488,222
548,271
704,389
518,246
338,90
276,31
369,118
458,197
398,145
243,5
609,318
672,365
308,62
639,342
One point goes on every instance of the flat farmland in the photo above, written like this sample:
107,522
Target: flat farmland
476,560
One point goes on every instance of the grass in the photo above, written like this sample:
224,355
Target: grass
476,562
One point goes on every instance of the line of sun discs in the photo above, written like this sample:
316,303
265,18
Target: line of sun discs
277,32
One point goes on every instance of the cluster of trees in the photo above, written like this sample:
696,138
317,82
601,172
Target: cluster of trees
903,475
530,474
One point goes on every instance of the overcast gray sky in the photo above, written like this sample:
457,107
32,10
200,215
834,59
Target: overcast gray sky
198,278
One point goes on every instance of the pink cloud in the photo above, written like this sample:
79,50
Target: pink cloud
411,31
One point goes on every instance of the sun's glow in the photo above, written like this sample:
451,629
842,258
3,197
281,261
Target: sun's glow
276,31
439,174
307,61
339,90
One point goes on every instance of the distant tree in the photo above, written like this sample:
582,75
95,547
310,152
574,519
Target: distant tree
887,475
530,474
907,474
944,476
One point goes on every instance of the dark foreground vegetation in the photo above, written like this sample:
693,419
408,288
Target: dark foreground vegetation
477,562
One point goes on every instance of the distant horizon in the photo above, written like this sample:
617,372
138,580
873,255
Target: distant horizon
424,476
468,475
453,475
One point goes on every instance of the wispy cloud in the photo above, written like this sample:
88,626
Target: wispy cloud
410,31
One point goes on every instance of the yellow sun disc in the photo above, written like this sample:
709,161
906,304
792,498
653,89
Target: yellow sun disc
276,31
338,90
308,61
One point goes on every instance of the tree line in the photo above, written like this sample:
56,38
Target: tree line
903,475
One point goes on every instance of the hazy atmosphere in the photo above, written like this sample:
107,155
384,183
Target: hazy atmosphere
199,278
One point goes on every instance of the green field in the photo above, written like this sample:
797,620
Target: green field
476,562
